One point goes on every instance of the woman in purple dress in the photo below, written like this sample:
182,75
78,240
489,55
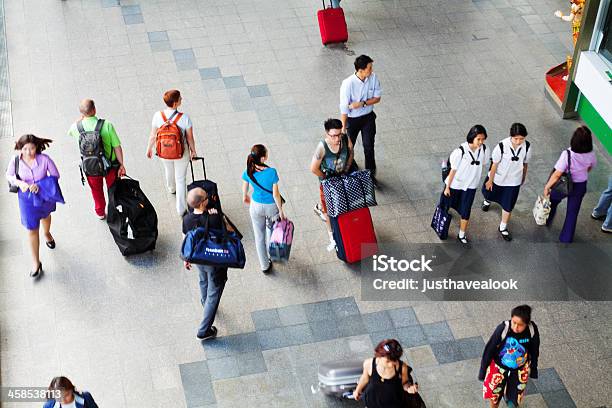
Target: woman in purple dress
35,174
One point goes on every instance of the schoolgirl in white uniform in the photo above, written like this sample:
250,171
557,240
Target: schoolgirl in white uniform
466,164
507,174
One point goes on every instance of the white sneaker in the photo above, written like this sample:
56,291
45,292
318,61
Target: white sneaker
101,217
319,211
331,246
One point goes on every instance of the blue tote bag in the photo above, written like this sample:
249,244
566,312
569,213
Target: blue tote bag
442,218
207,246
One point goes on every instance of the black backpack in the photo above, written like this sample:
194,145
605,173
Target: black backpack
446,166
93,160
501,147
131,218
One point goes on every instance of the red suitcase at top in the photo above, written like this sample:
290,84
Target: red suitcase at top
351,231
332,25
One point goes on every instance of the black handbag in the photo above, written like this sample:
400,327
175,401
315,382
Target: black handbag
14,188
564,186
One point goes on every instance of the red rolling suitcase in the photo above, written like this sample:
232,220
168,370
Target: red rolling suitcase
351,230
332,25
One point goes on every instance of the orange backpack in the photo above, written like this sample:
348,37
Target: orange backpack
169,139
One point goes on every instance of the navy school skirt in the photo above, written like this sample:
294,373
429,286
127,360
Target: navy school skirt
505,196
461,201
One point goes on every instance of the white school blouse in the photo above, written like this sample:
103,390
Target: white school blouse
510,172
469,171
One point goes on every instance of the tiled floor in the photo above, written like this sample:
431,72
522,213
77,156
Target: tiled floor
255,72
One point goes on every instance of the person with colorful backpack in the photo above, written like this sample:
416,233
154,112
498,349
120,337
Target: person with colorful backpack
171,137
510,358
507,174
101,153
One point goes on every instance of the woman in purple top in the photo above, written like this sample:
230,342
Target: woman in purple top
582,160
33,166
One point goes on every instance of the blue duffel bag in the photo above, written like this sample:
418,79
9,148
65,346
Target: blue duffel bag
207,246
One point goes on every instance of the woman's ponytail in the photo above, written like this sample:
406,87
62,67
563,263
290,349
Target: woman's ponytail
258,152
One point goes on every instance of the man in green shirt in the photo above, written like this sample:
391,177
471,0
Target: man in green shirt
112,151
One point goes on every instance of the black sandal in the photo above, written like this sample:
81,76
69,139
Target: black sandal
50,244
463,240
505,234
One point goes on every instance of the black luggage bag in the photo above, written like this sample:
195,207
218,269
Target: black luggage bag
209,186
131,218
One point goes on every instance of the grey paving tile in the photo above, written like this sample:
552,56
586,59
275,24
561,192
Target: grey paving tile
186,65
157,36
197,384
299,334
272,338
403,317
234,81
324,330
257,91
378,336
213,84
251,363
548,380
216,348
110,3
185,54
225,367
243,343
266,319
378,321
292,315
344,307
471,347
351,326
447,352
531,388
160,46
558,399
437,332
210,73
319,311
411,336
130,10
130,19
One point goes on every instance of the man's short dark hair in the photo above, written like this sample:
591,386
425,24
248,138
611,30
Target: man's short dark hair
582,140
362,61
332,123
523,312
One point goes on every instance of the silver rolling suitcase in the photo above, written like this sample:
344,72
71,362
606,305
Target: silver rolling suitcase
339,378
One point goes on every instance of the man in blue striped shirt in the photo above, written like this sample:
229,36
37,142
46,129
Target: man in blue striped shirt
358,94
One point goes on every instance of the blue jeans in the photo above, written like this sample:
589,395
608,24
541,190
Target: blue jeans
335,3
605,206
212,283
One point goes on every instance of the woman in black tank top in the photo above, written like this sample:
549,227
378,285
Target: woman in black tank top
384,378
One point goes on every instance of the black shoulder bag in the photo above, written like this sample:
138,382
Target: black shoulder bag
14,188
565,185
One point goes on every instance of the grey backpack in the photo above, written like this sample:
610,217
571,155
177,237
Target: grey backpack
93,160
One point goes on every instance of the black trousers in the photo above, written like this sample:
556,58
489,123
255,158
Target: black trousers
365,124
